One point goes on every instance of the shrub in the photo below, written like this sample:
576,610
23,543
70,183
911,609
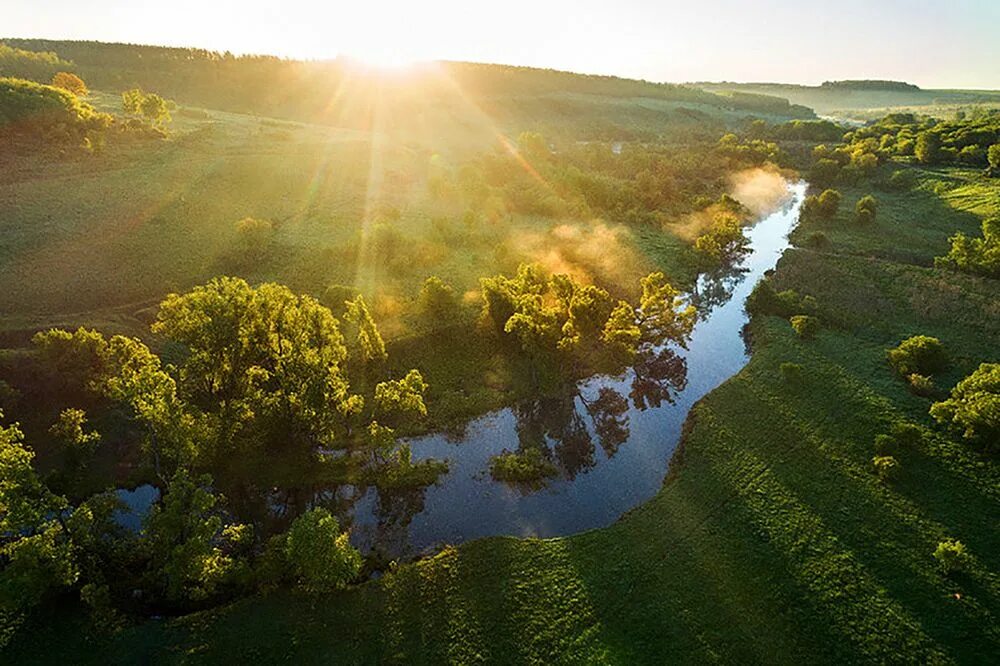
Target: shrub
951,555
886,467
791,373
920,354
147,107
44,113
528,466
866,209
902,180
828,203
70,82
974,406
817,240
980,256
256,237
805,326
319,554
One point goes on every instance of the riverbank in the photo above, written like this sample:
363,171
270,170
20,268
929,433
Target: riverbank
773,543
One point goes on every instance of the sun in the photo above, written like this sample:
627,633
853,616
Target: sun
384,56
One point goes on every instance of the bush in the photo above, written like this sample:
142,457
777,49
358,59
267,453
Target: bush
256,237
44,113
763,300
791,373
886,467
828,203
817,240
980,256
528,466
920,354
902,180
866,209
319,554
805,326
951,555
70,82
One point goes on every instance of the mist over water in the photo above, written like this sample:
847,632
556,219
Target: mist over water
612,441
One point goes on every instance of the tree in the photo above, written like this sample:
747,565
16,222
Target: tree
149,107
436,302
369,346
319,555
866,209
828,203
36,551
973,409
920,354
928,148
70,82
805,326
993,159
402,398
336,296
663,316
69,428
722,243
264,369
183,537
980,256
824,173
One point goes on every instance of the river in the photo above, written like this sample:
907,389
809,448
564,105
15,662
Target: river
599,479
612,440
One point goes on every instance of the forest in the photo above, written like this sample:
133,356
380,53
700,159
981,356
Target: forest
257,314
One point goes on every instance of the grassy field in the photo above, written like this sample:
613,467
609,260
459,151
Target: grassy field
772,541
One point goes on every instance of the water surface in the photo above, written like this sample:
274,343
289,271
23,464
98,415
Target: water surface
612,442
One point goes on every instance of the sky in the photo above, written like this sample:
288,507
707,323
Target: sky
933,43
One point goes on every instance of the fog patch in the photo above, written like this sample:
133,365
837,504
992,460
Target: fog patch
762,190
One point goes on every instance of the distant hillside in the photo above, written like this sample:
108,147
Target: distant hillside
313,90
869,84
834,96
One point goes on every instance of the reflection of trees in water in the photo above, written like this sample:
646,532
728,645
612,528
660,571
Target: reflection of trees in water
556,420
714,289
659,375
394,511
558,426
608,412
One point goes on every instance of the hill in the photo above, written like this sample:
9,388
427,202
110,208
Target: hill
844,97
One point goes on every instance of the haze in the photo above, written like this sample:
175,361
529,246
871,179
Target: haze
931,43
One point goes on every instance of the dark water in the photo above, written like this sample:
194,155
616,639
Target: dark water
610,460
612,440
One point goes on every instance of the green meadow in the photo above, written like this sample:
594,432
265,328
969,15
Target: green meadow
772,539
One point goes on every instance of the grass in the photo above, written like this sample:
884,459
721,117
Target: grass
772,540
